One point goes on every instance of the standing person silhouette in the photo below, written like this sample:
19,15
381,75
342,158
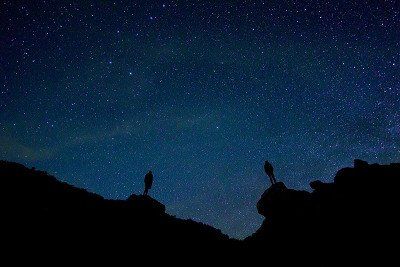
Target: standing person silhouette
269,170
148,182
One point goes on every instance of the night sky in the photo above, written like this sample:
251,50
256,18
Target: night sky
201,92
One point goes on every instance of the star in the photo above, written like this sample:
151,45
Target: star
202,94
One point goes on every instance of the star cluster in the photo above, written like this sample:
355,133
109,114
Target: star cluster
200,92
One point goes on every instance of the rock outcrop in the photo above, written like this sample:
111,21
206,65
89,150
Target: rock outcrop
346,222
39,210
336,220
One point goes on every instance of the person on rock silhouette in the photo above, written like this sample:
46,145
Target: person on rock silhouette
148,182
269,170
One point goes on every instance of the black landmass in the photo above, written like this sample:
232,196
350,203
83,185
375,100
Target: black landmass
351,221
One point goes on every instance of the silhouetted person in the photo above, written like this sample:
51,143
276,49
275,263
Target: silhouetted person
269,170
148,182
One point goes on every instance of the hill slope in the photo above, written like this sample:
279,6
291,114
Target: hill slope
39,207
345,222
355,217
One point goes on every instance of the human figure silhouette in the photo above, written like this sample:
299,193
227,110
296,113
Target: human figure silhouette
269,170
148,182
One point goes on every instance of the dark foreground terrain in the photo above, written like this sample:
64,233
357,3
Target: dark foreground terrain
352,221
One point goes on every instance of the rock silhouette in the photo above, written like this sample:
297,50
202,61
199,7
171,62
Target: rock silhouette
344,222
50,216
351,218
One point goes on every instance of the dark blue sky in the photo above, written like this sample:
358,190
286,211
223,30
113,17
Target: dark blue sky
201,92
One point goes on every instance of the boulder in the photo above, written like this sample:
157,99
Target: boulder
145,204
278,202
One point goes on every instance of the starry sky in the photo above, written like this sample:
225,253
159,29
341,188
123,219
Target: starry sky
201,92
